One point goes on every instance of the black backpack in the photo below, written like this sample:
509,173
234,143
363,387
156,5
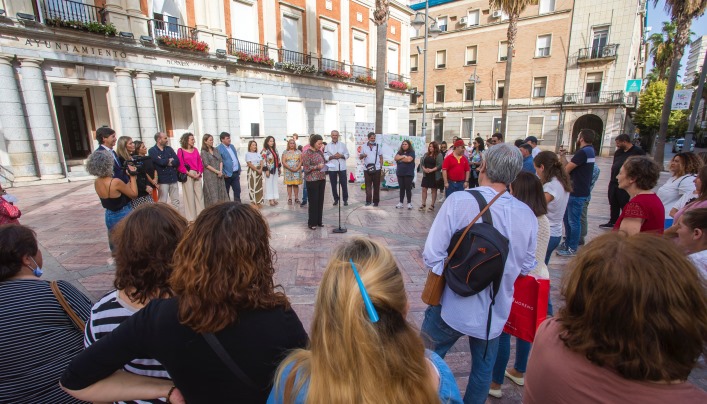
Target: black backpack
477,256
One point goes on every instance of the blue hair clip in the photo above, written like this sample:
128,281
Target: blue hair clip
372,313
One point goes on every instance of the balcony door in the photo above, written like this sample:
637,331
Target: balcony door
599,40
67,10
167,19
244,20
358,56
330,47
592,88
291,27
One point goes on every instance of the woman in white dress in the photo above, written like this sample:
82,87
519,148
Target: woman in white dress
272,170
255,174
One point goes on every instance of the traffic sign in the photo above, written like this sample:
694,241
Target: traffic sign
633,86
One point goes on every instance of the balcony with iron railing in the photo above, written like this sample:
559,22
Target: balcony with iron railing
597,53
56,12
161,28
595,97
294,57
240,46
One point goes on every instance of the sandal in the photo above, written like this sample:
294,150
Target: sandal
297,201
423,208
432,208
313,227
289,201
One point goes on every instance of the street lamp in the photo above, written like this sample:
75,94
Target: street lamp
474,78
431,30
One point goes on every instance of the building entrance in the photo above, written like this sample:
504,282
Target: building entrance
71,118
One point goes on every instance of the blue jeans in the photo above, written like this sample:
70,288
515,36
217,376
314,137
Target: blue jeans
304,193
453,187
112,218
234,181
551,246
573,220
440,337
504,353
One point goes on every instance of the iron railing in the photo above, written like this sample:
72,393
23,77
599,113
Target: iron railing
598,52
396,77
362,71
161,28
68,10
594,97
330,64
247,47
288,56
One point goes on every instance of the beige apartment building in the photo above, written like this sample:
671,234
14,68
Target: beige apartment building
251,67
570,64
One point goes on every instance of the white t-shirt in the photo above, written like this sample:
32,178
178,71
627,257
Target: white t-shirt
536,151
684,200
254,158
671,192
556,207
699,259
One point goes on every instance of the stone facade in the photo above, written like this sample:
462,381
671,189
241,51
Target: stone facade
58,85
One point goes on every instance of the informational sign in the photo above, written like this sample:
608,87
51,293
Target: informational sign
388,148
633,86
681,100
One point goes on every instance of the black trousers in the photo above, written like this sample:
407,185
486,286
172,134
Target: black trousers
234,182
315,191
405,184
336,177
373,185
618,198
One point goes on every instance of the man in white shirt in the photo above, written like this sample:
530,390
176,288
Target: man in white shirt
336,153
457,316
372,157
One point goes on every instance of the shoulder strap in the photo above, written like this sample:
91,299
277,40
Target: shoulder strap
482,204
78,322
215,344
466,230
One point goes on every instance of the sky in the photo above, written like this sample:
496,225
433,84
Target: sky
657,15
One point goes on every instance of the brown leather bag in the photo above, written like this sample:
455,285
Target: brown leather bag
434,285
78,322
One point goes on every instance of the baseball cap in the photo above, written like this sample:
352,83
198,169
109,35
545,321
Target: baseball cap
458,143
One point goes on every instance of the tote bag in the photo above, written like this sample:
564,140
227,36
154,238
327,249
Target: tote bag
529,307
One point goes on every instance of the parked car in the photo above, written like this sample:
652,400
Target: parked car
677,145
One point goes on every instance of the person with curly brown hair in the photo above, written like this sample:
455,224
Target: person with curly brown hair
633,327
644,211
225,296
684,168
143,265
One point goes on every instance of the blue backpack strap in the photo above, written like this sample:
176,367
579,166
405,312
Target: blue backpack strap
482,204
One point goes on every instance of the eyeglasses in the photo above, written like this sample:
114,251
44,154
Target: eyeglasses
372,313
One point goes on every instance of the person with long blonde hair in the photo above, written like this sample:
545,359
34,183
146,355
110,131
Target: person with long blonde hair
362,348
224,294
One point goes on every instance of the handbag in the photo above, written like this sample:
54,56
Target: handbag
222,354
529,309
182,177
434,285
78,322
371,168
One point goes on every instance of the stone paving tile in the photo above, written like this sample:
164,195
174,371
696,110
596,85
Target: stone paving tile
69,221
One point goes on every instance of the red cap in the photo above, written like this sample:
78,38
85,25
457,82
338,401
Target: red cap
458,143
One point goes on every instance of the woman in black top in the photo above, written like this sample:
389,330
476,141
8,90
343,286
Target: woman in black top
405,170
150,174
37,337
432,168
223,283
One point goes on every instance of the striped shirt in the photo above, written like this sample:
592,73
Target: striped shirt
37,340
106,315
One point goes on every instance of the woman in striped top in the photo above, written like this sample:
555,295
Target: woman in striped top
37,337
142,270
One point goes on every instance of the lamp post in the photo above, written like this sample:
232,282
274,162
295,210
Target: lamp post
474,78
430,30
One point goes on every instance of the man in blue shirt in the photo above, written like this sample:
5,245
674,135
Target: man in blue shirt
231,166
580,170
527,151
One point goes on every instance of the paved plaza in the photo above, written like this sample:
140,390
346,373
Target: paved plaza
69,223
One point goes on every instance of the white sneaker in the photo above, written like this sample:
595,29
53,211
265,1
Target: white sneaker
399,205
409,206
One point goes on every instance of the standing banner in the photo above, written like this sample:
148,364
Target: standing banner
389,145
681,100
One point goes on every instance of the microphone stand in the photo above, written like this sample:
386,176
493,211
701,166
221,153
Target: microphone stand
340,229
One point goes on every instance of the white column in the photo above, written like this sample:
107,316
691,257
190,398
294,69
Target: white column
222,117
39,117
114,5
201,14
145,101
216,15
133,6
208,106
126,103
13,124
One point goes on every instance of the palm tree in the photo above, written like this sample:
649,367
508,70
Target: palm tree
682,12
512,8
662,48
380,18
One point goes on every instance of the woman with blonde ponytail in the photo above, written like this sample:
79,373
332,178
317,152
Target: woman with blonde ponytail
361,353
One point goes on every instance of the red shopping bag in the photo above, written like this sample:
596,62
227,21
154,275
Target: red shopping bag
529,308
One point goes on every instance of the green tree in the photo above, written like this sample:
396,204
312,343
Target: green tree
380,18
648,115
662,49
512,8
682,12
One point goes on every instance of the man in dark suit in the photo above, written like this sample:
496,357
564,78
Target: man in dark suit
231,166
106,141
